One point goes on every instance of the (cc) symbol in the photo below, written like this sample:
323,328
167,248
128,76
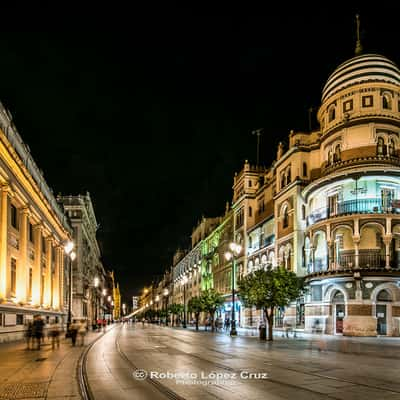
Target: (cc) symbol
140,374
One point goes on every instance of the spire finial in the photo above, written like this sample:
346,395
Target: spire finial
359,48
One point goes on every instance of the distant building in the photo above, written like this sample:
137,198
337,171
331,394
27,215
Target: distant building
135,302
88,272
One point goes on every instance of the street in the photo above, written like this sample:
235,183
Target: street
153,362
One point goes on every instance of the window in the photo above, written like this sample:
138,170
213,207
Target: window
380,147
250,242
386,102
14,216
391,147
43,244
384,295
329,157
348,105
30,232
282,180
304,169
336,155
303,212
20,319
332,114
367,101
285,218
250,211
249,183
13,285
288,176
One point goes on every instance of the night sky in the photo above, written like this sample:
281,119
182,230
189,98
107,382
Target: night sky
153,121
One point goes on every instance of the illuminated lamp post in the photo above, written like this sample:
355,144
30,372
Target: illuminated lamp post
235,250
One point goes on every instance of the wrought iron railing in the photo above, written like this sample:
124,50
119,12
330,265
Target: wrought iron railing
360,206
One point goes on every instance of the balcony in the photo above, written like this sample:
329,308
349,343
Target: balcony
362,206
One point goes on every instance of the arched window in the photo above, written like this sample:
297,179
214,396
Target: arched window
303,212
250,211
380,147
288,177
250,242
285,217
329,157
386,102
338,297
282,180
384,295
304,169
332,114
337,156
391,147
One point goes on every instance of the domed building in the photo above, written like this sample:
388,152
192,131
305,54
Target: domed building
331,204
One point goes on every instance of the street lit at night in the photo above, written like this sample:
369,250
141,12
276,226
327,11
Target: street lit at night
203,206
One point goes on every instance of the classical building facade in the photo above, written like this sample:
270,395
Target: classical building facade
88,274
33,230
328,207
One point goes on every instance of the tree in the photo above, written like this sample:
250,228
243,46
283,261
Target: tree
211,300
195,306
270,289
175,309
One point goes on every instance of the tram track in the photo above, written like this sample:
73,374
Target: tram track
171,394
317,375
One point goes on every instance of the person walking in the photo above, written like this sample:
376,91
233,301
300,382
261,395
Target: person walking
73,332
82,331
55,335
29,335
38,326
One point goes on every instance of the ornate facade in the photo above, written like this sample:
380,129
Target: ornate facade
329,206
33,230
88,272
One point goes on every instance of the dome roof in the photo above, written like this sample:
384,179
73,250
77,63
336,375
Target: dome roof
363,68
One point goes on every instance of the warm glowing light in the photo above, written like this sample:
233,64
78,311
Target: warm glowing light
228,255
184,279
68,247
96,281
104,292
165,292
157,297
145,291
109,298
151,302
72,255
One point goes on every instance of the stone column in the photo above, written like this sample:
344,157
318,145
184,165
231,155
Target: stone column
23,267
387,239
5,189
56,281
330,255
356,241
47,284
61,278
312,258
36,273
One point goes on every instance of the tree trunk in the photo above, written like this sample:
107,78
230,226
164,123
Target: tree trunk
212,322
270,318
197,321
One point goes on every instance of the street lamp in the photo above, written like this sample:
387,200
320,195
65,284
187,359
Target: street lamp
235,250
71,257
184,281
165,294
123,308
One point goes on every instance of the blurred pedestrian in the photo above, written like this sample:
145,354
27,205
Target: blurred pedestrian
73,332
55,330
38,325
29,335
82,331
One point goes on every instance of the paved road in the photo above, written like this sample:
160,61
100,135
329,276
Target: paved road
202,365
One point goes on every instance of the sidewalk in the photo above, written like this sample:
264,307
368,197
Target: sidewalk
41,374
